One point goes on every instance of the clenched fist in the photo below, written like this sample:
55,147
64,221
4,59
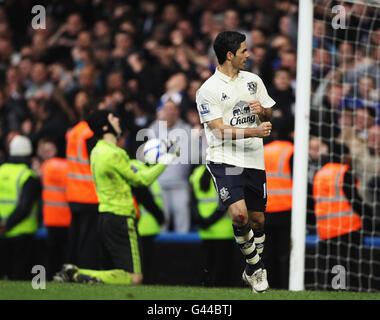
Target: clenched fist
264,129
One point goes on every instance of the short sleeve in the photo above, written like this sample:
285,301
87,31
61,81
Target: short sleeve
208,107
263,96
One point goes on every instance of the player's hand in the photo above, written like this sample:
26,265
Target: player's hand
173,152
264,129
173,147
256,107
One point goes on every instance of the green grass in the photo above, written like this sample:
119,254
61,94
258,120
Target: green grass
20,290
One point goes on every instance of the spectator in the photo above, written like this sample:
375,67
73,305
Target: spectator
55,209
49,121
340,234
81,196
364,95
170,15
81,105
321,66
325,113
40,81
67,33
282,91
258,52
39,46
278,156
123,45
231,20
148,16
176,90
258,37
318,152
174,180
287,26
320,37
21,187
87,82
7,52
368,66
102,34
25,69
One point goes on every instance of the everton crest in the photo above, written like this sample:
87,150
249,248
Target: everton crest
252,87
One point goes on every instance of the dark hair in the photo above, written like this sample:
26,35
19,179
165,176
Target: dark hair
46,139
227,41
282,69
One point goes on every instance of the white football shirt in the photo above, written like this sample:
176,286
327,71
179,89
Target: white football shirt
223,97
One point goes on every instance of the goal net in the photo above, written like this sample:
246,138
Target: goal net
343,207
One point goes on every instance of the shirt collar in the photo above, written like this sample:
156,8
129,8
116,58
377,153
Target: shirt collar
226,78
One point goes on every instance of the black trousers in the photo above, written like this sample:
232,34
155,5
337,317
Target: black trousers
57,249
83,236
17,257
277,248
120,245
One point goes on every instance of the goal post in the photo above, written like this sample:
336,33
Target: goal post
301,142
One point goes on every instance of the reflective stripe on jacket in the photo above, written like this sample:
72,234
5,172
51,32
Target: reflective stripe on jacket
207,204
12,179
333,212
80,184
279,177
56,211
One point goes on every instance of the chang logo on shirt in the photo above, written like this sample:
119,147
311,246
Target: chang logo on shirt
242,114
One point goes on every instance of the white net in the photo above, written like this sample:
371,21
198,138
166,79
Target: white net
343,219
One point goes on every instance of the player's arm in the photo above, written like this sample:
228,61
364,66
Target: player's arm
223,131
263,104
144,177
264,114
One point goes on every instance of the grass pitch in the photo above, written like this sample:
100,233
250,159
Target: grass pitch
22,290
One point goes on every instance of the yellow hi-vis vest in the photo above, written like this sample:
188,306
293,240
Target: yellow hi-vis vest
12,178
147,224
207,204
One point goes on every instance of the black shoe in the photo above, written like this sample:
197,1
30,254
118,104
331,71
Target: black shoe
83,278
66,274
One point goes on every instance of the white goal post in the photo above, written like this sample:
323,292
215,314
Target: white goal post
301,142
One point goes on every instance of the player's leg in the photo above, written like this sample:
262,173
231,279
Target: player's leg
244,235
114,276
256,199
121,242
256,220
230,188
71,273
255,196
